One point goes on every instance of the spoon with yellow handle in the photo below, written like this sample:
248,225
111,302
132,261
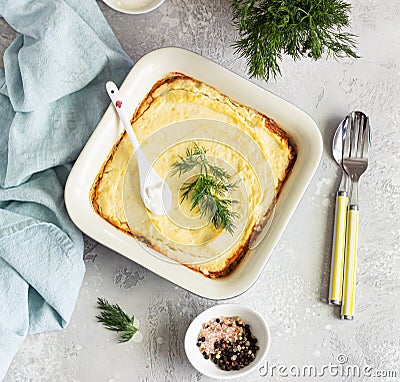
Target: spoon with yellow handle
155,193
339,229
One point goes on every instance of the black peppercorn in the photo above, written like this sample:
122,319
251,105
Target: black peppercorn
232,353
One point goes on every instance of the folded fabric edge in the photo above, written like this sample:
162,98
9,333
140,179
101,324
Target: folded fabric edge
38,247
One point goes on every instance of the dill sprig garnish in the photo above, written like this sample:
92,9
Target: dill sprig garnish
268,29
208,191
114,318
197,157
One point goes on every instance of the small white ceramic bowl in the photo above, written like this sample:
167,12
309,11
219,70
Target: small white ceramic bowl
133,7
259,329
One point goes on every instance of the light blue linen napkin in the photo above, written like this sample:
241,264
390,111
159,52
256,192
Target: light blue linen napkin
51,98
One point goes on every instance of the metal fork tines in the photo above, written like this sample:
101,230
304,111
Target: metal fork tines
355,149
356,142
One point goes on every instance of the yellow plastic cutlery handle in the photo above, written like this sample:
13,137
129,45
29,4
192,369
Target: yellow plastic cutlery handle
338,245
350,263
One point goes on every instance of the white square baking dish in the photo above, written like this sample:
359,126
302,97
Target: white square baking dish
147,71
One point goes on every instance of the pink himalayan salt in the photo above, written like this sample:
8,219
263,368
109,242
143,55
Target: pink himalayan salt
214,331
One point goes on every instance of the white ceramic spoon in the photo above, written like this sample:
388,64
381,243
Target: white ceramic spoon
155,193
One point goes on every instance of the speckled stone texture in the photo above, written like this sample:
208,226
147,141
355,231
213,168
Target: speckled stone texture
292,290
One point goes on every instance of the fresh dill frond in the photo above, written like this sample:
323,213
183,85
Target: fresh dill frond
114,318
207,192
269,29
197,157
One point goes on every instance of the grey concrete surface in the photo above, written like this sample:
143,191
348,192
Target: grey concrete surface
292,290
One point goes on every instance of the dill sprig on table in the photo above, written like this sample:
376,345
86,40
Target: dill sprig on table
114,318
208,191
268,29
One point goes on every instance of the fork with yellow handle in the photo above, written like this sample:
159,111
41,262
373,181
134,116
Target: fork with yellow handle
355,162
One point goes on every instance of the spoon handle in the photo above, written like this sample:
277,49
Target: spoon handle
155,193
143,165
338,247
116,99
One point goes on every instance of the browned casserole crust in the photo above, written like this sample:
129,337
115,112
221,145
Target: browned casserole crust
230,262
